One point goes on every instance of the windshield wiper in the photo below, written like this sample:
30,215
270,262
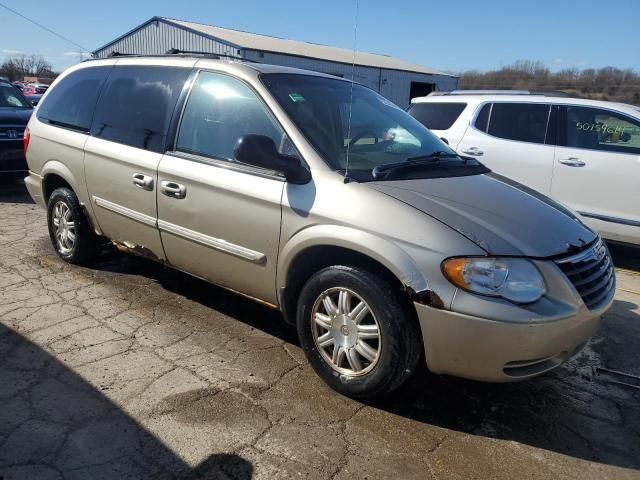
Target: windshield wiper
438,154
421,160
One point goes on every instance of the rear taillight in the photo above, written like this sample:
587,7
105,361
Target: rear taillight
25,139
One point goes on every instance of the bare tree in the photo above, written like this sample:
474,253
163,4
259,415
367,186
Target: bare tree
608,83
19,66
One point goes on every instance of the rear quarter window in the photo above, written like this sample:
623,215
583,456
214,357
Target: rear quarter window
136,105
437,116
482,119
71,102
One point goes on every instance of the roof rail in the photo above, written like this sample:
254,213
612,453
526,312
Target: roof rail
177,51
543,93
115,53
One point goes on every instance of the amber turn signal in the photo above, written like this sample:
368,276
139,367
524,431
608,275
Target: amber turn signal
453,269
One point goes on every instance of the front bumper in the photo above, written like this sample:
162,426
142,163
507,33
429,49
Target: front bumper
499,351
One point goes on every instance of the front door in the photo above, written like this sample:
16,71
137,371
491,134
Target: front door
511,139
597,170
220,219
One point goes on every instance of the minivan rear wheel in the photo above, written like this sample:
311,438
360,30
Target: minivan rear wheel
69,230
356,332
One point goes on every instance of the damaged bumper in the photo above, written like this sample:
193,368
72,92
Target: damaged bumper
496,351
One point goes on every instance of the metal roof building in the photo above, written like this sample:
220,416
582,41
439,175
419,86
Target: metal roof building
396,79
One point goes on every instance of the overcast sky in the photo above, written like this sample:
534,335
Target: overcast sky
448,35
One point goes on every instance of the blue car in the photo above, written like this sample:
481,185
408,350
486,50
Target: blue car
15,111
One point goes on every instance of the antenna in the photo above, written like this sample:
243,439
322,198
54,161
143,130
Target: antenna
43,27
353,73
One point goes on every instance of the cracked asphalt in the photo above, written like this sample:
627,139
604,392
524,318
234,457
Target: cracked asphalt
127,369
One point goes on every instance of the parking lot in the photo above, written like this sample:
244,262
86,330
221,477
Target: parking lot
127,369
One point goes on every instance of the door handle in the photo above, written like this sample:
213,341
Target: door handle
145,182
473,151
173,189
572,162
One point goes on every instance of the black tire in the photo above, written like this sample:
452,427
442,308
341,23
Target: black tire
87,244
400,340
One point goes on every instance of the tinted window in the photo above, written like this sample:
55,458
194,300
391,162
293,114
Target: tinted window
219,111
598,129
524,122
482,120
437,116
71,102
136,105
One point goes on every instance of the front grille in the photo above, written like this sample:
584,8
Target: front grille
591,272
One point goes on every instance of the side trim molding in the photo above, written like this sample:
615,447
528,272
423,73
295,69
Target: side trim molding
125,212
211,242
216,243
605,218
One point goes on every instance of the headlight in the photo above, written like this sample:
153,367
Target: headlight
514,279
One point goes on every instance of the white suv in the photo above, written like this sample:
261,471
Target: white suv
584,153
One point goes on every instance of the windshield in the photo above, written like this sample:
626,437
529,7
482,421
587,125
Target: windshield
380,133
10,97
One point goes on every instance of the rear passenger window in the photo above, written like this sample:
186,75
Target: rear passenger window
136,105
219,111
524,122
437,116
71,102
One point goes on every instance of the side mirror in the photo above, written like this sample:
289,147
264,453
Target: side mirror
444,140
261,151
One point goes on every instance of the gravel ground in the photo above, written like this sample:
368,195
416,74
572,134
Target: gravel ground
127,369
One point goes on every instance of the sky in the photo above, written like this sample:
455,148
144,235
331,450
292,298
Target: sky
448,35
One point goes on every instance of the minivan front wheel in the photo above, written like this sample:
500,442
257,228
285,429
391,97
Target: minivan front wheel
69,230
356,333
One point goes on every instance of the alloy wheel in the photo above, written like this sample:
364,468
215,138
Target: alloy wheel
346,331
64,226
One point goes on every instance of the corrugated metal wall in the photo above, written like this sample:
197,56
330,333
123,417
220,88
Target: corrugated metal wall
156,37
396,85
393,84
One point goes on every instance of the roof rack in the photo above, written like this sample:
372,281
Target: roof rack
543,93
115,53
177,51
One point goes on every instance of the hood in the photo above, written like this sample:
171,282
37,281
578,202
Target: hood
497,214
15,116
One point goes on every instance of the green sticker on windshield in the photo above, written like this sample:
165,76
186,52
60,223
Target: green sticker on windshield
296,97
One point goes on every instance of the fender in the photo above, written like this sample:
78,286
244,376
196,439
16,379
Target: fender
55,167
378,248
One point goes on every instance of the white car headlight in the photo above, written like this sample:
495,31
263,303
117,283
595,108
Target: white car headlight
514,279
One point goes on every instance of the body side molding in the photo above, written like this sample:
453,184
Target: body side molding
212,242
125,212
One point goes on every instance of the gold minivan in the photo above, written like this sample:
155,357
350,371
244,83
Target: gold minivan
322,199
